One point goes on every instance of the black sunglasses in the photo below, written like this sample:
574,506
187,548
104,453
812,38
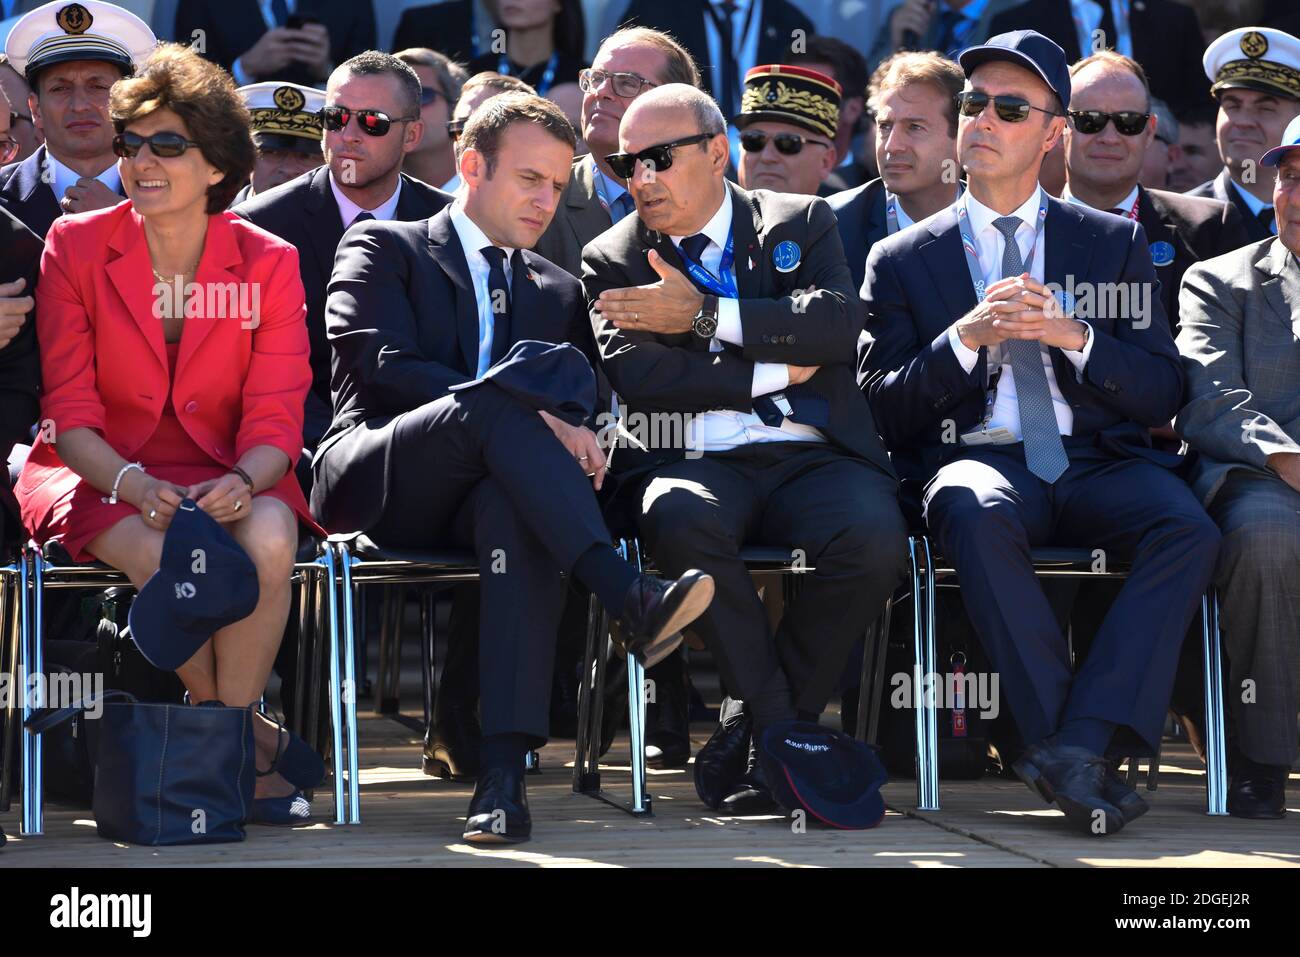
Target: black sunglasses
429,95
455,128
1012,109
374,122
165,145
787,144
656,157
1127,122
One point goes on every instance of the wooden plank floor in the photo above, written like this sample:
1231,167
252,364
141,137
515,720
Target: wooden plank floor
412,820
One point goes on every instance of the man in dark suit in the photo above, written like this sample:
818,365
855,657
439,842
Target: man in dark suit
451,27
20,369
1030,427
911,96
740,421
1256,74
445,367
362,179
71,56
1163,35
726,39
295,40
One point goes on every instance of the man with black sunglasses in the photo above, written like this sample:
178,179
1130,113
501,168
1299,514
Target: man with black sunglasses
788,119
726,323
371,122
1027,426
441,79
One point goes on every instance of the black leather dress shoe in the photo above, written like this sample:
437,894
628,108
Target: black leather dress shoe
655,612
668,729
451,744
498,812
1117,791
1257,791
721,763
1074,780
752,795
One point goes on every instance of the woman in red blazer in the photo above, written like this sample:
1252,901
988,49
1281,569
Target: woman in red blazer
150,397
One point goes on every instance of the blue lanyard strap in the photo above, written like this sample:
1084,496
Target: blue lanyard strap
972,251
723,284
891,208
548,77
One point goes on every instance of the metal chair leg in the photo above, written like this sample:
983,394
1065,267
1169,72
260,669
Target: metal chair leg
1216,749
333,557
636,705
927,732
31,662
427,676
10,639
586,775
350,686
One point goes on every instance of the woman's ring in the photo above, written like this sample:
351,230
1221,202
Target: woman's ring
582,458
238,505
153,513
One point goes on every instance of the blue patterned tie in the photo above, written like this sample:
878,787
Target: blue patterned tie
621,207
1044,451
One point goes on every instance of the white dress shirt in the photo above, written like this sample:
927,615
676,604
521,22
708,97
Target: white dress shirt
60,177
720,430
990,244
1124,204
472,241
1255,203
349,211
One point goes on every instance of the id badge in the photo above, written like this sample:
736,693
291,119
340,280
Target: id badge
986,436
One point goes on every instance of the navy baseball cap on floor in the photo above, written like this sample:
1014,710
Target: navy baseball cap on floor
832,776
1026,48
204,582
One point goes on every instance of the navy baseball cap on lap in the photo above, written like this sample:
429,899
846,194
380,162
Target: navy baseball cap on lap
204,582
1026,48
830,775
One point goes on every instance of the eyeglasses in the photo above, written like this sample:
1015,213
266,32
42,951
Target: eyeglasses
787,144
8,150
429,95
1011,109
373,122
1127,122
455,128
625,84
656,157
162,145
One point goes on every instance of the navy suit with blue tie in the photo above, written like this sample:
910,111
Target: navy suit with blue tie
1109,490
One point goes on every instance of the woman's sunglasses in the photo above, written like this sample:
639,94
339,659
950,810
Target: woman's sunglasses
787,144
373,122
163,145
1094,121
656,157
1011,109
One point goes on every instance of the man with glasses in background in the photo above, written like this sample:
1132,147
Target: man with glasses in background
22,127
71,54
441,79
476,91
787,122
1029,427
371,121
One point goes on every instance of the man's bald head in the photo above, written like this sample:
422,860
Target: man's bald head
686,106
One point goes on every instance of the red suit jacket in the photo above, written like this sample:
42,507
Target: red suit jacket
241,376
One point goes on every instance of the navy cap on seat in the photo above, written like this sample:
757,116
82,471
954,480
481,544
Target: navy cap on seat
828,774
1026,48
204,582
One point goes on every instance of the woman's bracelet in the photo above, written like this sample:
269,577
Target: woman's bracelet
243,475
112,498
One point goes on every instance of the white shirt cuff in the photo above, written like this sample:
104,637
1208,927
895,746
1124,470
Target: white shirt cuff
237,71
729,329
1079,358
769,377
966,356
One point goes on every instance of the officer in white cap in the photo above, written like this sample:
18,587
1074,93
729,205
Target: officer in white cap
71,55
1255,72
287,130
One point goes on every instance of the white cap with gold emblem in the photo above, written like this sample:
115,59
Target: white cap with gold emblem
1255,58
61,32
285,115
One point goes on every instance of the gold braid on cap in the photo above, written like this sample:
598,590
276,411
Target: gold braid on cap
270,120
1275,75
807,104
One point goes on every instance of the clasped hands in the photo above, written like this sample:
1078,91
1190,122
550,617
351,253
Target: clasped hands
1020,307
158,499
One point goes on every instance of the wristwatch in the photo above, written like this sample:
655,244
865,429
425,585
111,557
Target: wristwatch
1087,334
706,323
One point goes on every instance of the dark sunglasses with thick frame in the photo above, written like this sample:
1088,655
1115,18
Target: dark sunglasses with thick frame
658,157
163,145
787,144
373,122
1128,122
1010,109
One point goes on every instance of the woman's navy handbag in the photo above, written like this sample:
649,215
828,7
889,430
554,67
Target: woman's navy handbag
166,773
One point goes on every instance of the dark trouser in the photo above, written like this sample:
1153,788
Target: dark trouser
1259,588
986,510
479,468
839,511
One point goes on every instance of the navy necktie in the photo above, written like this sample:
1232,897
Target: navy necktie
694,247
362,217
499,295
1044,451
280,12
621,207
728,70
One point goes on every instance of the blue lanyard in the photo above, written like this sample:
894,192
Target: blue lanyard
972,253
725,283
1118,13
548,77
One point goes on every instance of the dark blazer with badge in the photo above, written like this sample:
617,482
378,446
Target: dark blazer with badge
861,215
677,373
25,196
1195,228
403,325
1222,189
20,364
304,212
579,218
918,284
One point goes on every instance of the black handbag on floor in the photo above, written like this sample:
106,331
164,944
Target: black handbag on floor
166,773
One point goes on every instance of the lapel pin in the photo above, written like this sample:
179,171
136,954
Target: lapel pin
786,256
1162,253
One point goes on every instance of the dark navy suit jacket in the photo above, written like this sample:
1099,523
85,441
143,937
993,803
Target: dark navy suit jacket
918,284
24,195
861,215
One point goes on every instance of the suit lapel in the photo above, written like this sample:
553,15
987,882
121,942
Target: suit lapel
220,252
411,204
1282,285
877,220
445,248
1066,250
324,221
587,217
747,228
131,273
